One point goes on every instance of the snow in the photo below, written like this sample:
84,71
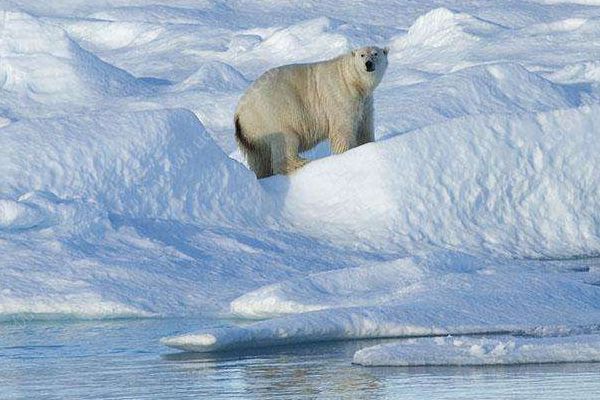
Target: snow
406,298
121,194
442,27
434,188
153,164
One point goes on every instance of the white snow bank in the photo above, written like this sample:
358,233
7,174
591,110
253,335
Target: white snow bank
307,41
582,2
105,35
201,11
579,72
481,351
564,25
443,27
412,297
521,185
72,306
158,164
41,61
433,279
482,89
16,215
214,76
378,283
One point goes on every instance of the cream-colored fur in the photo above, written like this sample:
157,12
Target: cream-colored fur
292,108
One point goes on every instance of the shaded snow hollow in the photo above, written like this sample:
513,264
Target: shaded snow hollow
118,197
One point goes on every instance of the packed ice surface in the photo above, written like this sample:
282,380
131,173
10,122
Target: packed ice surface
482,351
120,193
408,297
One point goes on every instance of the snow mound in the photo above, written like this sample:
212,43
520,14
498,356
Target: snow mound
111,35
482,89
144,164
214,76
481,351
158,13
565,25
16,215
520,185
241,43
367,285
442,27
307,41
408,298
577,73
70,73
581,2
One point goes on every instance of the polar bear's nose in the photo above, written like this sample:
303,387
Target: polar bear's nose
369,65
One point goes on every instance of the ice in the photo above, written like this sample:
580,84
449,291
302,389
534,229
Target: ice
465,351
405,298
118,197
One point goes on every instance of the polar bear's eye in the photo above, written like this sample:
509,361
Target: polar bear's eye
362,55
375,54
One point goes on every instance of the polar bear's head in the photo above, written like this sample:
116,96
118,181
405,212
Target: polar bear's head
371,63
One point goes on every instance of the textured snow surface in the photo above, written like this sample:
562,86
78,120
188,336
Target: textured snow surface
475,211
520,185
146,164
408,297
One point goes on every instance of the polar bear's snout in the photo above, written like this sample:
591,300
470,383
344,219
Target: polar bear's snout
369,65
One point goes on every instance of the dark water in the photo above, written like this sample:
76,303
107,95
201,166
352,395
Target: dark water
124,360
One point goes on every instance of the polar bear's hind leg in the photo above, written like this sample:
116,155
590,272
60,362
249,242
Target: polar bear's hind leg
258,155
284,153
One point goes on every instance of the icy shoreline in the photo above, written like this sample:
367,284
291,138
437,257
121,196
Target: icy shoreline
118,196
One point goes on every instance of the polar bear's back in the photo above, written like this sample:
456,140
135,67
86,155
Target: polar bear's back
288,98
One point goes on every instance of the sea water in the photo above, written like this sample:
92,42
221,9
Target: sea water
123,359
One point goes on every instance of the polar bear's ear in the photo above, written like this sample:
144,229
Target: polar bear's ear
353,52
386,50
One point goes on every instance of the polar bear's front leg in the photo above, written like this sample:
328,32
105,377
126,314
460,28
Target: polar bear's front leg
284,153
366,129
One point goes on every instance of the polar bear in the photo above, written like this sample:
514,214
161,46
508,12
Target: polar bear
290,109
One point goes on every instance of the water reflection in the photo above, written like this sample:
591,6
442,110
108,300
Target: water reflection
319,369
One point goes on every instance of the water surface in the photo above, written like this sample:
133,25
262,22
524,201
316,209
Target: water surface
124,359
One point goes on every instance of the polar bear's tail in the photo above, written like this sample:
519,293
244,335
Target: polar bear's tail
258,156
239,135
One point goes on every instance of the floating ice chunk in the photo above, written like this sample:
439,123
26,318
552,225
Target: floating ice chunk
481,351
